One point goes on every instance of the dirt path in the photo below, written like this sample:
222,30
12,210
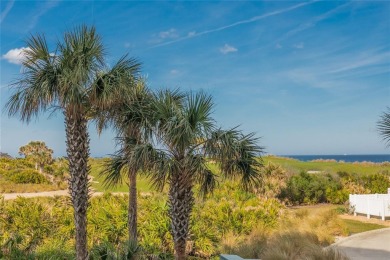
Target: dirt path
12,196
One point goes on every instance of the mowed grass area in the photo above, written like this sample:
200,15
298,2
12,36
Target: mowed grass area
97,166
296,166
355,226
289,164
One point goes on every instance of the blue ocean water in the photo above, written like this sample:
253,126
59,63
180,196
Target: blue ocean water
378,158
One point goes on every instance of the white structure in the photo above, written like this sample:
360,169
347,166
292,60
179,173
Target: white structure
371,204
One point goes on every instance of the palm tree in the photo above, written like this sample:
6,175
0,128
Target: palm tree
384,126
74,79
129,116
187,138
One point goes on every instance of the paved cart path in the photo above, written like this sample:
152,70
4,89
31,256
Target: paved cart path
370,245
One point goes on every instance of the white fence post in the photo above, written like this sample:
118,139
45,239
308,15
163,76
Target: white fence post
368,207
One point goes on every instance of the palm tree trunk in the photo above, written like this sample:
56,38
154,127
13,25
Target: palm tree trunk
180,205
132,214
78,151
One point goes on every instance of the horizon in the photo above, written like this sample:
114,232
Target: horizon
310,78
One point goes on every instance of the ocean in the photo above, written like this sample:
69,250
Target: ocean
377,158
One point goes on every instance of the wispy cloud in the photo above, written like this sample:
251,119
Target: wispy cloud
246,21
313,22
170,34
8,8
191,34
164,35
227,49
300,45
341,72
42,10
15,56
174,72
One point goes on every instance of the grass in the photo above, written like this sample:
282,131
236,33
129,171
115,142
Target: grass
354,226
296,166
11,187
300,234
98,181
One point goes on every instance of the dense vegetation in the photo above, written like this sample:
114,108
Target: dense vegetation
20,175
43,228
228,221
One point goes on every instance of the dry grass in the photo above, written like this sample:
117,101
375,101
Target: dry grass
301,234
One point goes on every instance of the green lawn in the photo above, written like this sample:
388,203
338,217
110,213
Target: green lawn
354,226
98,181
328,167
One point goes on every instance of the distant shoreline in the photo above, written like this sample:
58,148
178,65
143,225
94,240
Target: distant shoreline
350,158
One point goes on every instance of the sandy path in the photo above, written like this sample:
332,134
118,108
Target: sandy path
11,196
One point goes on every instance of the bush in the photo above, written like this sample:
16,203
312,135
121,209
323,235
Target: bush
305,189
26,176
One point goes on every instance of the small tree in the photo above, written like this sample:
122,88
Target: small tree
38,153
188,137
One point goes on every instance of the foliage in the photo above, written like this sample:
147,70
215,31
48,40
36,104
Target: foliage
44,226
301,234
274,179
26,176
384,126
19,175
37,152
305,188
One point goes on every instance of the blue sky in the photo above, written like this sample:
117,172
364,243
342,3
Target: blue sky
307,77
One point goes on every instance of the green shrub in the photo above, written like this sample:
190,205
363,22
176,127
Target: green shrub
305,188
26,176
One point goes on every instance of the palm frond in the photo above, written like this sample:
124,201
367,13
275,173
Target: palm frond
113,171
37,88
237,154
206,179
384,127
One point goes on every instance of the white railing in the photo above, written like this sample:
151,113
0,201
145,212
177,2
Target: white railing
371,204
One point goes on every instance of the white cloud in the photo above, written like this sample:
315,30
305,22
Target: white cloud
278,46
170,34
15,56
227,48
300,45
191,34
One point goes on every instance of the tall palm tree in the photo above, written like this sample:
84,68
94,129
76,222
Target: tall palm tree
384,126
187,137
129,116
74,79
